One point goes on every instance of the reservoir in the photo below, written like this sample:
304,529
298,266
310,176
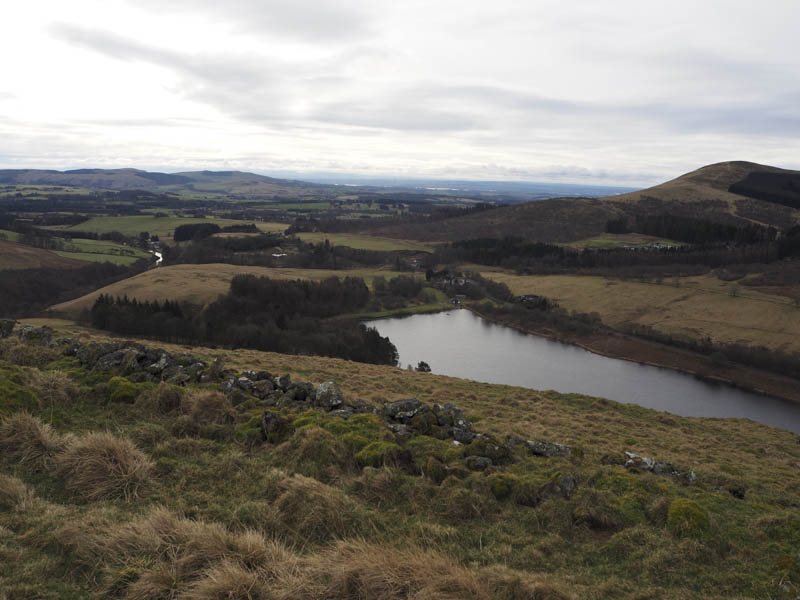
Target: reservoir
460,344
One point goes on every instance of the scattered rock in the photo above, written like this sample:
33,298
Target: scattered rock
643,463
284,381
547,449
403,410
244,383
328,396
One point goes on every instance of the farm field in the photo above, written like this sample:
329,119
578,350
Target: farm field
200,284
160,226
102,251
694,306
365,242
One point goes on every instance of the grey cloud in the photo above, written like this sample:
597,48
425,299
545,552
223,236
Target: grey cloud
310,20
271,92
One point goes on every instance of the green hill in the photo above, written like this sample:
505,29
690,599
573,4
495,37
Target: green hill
245,483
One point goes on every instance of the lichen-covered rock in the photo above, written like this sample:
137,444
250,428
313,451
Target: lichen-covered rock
328,396
244,383
263,388
302,391
284,381
403,410
547,449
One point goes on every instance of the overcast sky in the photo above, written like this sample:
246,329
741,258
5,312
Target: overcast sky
615,92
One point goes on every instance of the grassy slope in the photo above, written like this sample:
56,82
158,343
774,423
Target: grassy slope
699,307
704,193
200,284
19,256
608,541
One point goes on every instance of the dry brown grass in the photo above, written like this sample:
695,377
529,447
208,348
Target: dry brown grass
697,307
53,387
102,466
15,494
208,407
313,511
26,439
358,569
27,355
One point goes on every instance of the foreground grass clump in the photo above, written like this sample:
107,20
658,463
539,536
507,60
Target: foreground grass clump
188,498
25,439
103,466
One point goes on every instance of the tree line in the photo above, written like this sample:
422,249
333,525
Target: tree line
290,317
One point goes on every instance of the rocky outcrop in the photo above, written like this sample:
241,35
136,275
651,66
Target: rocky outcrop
643,463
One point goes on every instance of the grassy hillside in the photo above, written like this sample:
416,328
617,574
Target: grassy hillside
705,193
199,284
694,306
19,256
136,490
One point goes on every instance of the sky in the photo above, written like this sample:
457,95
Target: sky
617,92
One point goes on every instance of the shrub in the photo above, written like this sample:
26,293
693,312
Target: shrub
26,439
685,518
377,454
100,465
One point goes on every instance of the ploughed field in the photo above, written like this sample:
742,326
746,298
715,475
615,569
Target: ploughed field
113,483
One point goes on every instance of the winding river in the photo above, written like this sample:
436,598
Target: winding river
461,344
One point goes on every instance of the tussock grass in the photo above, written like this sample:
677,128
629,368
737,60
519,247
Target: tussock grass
103,466
315,452
27,355
53,387
15,494
358,569
315,512
25,439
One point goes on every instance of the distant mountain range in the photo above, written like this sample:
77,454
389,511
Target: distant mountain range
251,184
127,179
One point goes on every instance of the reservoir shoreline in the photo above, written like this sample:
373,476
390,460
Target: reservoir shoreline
645,352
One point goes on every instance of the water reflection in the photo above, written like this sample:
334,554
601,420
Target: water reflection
461,344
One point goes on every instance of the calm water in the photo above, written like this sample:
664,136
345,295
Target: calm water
461,344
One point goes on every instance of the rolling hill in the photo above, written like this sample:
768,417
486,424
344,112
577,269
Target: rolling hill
734,192
19,256
226,182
